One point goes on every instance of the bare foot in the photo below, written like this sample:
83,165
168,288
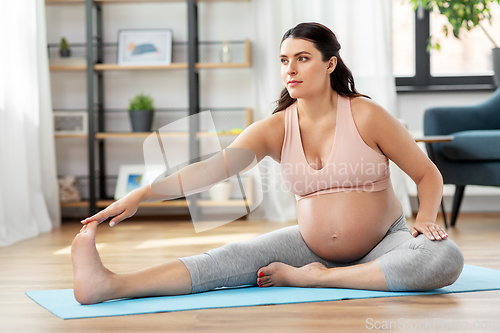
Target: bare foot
92,281
277,274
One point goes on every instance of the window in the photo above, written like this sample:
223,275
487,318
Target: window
464,64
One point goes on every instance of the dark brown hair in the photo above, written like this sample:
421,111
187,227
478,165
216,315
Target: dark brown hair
325,41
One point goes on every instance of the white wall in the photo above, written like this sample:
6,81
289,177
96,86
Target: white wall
411,106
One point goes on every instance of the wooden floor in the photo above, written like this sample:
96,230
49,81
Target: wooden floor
44,263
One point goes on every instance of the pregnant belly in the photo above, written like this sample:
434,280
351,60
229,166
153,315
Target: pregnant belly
345,226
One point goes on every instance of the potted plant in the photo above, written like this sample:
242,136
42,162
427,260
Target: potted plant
466,14
64,50
141,111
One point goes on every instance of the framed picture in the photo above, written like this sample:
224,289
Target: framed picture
145,47
133,176
70,122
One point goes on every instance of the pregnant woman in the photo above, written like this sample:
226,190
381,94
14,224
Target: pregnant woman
334,146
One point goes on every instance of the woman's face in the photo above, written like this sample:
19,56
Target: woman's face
303,70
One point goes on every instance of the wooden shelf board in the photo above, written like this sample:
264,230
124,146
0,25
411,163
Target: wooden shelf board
68,68
169,203
175,203
103,135
61,2
172,203
116,67
75,204
180,203
220,65
178,65
133,1
70,136
64,2
228,203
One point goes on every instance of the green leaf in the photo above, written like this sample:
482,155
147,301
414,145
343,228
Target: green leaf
459,13
64,44
141,102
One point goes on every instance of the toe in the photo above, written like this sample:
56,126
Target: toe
267,284
265,279
91,228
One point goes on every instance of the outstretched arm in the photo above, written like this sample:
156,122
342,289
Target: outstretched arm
251,146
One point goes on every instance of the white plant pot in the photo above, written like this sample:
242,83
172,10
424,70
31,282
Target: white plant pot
220,192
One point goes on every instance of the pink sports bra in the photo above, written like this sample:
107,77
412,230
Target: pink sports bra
351,166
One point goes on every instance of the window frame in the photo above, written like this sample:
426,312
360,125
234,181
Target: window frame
423,80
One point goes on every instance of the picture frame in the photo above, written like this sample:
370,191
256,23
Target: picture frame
144,47
70,122
134,176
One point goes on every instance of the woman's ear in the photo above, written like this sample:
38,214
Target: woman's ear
332,64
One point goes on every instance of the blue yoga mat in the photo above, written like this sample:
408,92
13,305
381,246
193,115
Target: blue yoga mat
62,303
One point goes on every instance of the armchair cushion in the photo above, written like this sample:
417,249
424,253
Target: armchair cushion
479,145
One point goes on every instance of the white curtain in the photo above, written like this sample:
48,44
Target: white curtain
364,29
29,201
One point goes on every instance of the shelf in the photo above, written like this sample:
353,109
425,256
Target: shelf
116,67
181,202
228,203
75,204
230,122
68,68
136,135
99,56
178,203
169,203
106,203
179,62
172,203
103,135
70,136
64,2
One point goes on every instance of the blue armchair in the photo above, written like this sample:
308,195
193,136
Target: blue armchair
473,157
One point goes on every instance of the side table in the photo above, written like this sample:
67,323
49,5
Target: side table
429,140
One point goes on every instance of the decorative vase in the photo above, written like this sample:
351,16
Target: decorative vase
496,66
141,120
220,191
225,54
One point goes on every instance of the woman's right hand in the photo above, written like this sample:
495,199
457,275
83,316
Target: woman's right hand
118,210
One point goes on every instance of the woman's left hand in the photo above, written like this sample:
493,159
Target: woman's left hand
429,229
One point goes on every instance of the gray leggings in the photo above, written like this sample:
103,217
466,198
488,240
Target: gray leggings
408,263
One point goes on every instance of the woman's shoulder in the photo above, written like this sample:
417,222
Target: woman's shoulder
366,111
271,122
371,119
365,106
